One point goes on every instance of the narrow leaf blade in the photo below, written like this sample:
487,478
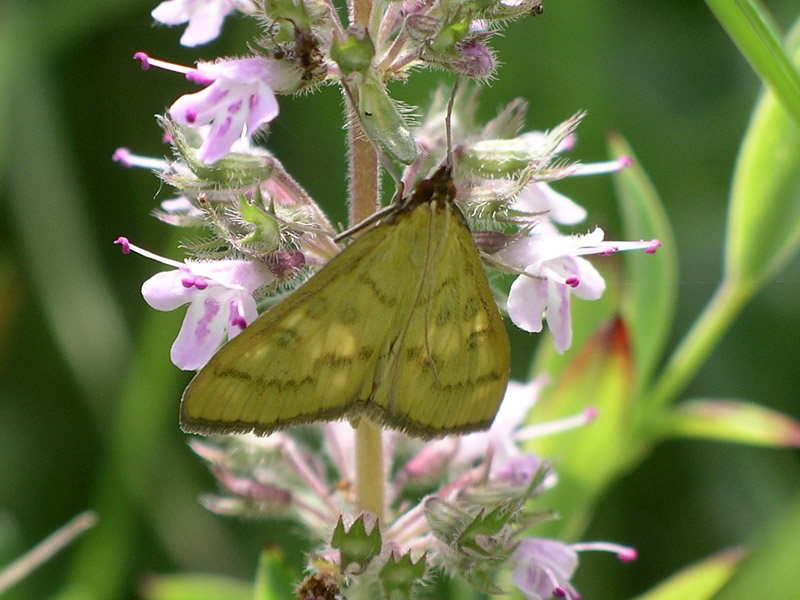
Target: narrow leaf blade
650,290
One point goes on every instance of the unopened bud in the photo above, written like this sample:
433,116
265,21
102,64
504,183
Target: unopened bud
384,123
353,54
494,158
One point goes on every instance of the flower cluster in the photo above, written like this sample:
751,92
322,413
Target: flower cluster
462,505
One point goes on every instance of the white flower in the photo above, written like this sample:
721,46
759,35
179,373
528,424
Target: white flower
538,197
239,97
543,569
205,18
220,298
553,271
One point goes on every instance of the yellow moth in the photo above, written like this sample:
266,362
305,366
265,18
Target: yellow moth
400,327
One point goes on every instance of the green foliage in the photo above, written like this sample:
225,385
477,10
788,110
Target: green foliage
752,29
196,586
648,302
733,421
355,544
771,568
400,575
699,581
764,218
90,421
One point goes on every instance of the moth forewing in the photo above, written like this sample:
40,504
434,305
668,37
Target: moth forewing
400,326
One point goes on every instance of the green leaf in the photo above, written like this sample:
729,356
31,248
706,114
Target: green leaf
733,421
196,586
446,520
384,123
273,581
651,291
399,575
770,571
356,545
599,375
754,33
764,218
699,581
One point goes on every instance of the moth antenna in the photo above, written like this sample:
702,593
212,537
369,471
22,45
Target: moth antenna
448,124
377,215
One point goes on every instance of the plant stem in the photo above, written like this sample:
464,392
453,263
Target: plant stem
369,467
364,196
687,359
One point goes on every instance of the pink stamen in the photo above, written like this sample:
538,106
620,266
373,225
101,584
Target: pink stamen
628,555
123,157
144,58
128,159
572,281
559,592
191,115
195,76
148,61
623,553
557,426
126,245
600,168
654,244
200,283
187,282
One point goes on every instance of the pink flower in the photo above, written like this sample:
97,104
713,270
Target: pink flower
538,197
220,298
553,271
204,17
239,97
543,569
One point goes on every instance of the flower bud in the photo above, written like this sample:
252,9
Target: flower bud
473,59
494,158
234,170
353,54
384,123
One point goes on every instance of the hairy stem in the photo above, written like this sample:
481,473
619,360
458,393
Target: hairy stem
369,467
364,193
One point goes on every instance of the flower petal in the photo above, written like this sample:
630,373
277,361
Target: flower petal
527,300
539,197
592,285
201,333
241,311
206,23
173,12
541,565
262,108
559,320
165,290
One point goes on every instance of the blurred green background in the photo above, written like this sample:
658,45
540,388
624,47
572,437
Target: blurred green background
88,398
